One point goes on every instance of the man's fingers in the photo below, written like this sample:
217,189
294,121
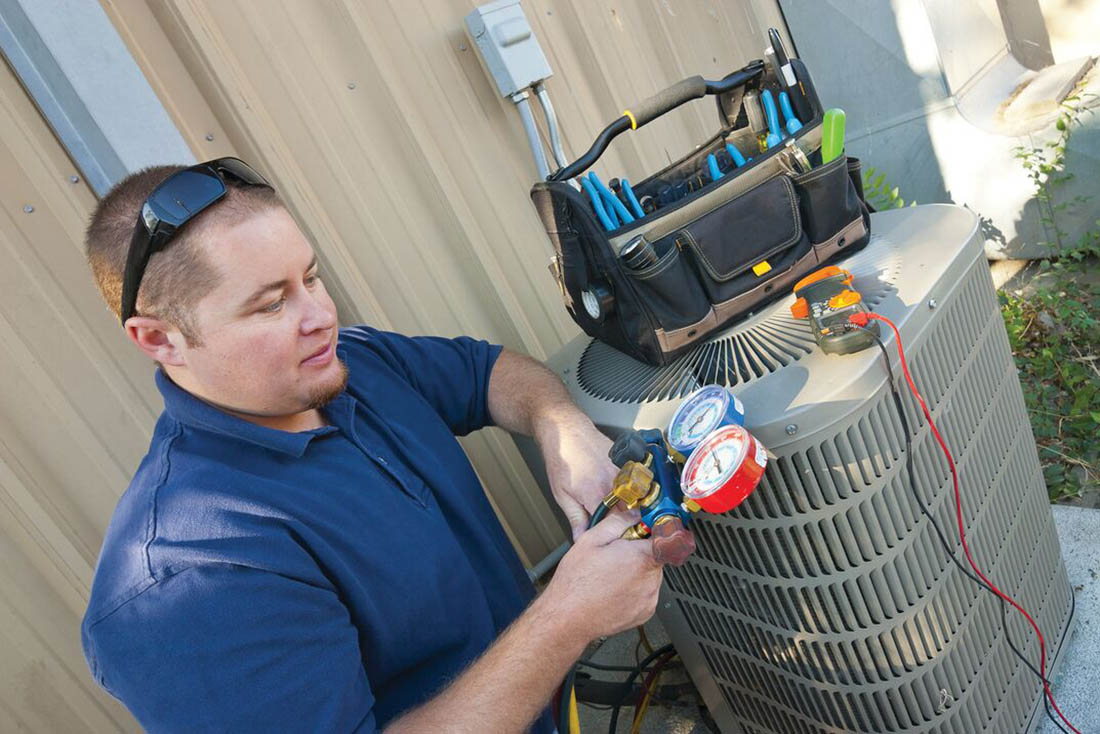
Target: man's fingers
575,515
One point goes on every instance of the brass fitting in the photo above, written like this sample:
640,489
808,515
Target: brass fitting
633,484
636,532
690,505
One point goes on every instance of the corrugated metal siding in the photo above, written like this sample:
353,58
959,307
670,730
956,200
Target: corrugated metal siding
76,410
378,125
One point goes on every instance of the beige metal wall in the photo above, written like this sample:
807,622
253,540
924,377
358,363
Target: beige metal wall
377,123
75,411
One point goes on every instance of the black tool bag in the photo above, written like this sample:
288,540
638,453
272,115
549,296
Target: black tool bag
720,252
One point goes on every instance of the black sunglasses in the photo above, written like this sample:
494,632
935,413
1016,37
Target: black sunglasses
177,200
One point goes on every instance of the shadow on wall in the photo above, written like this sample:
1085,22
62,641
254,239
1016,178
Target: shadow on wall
860,63
927,86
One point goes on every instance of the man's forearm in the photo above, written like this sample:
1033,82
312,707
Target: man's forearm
523,394
508,686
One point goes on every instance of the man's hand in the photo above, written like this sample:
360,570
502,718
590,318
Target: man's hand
577,465
525,397
605,583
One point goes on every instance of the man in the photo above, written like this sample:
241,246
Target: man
306,547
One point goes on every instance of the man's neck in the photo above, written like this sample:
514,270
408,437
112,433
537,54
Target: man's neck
306,420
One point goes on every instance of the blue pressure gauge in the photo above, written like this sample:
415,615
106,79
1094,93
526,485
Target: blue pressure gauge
701,413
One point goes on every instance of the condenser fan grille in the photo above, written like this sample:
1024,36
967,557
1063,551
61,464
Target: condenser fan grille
758,346
826,601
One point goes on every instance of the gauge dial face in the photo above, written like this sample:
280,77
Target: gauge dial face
701,413
696,419
714,462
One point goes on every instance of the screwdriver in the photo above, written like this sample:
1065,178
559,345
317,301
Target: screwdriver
832,134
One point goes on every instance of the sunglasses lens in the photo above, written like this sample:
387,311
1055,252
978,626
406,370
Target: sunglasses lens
185,195
239,170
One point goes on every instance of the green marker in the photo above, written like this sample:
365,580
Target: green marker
832,134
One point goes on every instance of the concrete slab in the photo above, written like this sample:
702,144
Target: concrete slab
1076,684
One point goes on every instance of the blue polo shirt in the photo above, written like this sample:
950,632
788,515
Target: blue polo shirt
327,581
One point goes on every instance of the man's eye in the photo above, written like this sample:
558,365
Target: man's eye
274,307
312,280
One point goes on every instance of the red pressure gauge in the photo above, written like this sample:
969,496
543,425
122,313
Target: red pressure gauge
724,469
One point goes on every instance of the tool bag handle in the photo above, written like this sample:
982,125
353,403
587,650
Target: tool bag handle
650,109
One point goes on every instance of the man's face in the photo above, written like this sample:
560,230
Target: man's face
267,333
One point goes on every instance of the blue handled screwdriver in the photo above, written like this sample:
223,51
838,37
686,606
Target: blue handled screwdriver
793,125
774,136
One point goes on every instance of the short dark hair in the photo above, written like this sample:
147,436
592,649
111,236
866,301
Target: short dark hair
179,276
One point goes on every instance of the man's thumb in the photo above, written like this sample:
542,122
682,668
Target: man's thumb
611,527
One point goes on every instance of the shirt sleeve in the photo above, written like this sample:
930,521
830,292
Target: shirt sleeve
229,648
452,375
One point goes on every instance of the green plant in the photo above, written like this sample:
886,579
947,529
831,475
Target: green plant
1055,336
1054,324
1054,328
879,193
1046,167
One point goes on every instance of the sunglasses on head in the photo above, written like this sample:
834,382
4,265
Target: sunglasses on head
176,201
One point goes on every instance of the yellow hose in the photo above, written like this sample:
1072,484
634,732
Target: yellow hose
574,715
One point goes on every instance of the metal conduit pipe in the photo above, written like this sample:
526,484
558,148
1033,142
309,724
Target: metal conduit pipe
552,123
524,107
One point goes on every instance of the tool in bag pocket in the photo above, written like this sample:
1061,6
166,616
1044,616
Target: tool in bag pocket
652,268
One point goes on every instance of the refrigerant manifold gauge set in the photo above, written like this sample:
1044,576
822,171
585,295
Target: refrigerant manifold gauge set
704,461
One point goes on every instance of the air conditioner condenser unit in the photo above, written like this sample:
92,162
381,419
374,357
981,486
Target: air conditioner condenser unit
826,602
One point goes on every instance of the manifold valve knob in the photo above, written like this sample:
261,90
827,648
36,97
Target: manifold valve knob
672,542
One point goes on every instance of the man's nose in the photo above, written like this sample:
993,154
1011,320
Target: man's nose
319,314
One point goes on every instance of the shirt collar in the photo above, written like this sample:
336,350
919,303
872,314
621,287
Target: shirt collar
190,410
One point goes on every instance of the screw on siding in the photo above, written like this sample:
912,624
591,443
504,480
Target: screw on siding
932,303
28,208
351,85
210,136
668,605
74,179
791,429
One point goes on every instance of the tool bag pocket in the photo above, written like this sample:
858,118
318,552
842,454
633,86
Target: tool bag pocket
833,213
670,289
747,241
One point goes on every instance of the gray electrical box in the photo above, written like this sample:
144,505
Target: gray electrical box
508,45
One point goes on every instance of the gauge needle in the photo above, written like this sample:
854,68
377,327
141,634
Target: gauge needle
697,421
717,464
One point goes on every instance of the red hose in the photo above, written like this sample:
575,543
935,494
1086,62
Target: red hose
862,319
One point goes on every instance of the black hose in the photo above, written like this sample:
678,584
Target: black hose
567,687
628,685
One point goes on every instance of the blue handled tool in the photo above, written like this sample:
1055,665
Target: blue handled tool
712,168
616,209
634,205
597,204
735,154
774,136
793,125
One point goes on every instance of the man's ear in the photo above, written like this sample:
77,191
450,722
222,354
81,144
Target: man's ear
158,339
